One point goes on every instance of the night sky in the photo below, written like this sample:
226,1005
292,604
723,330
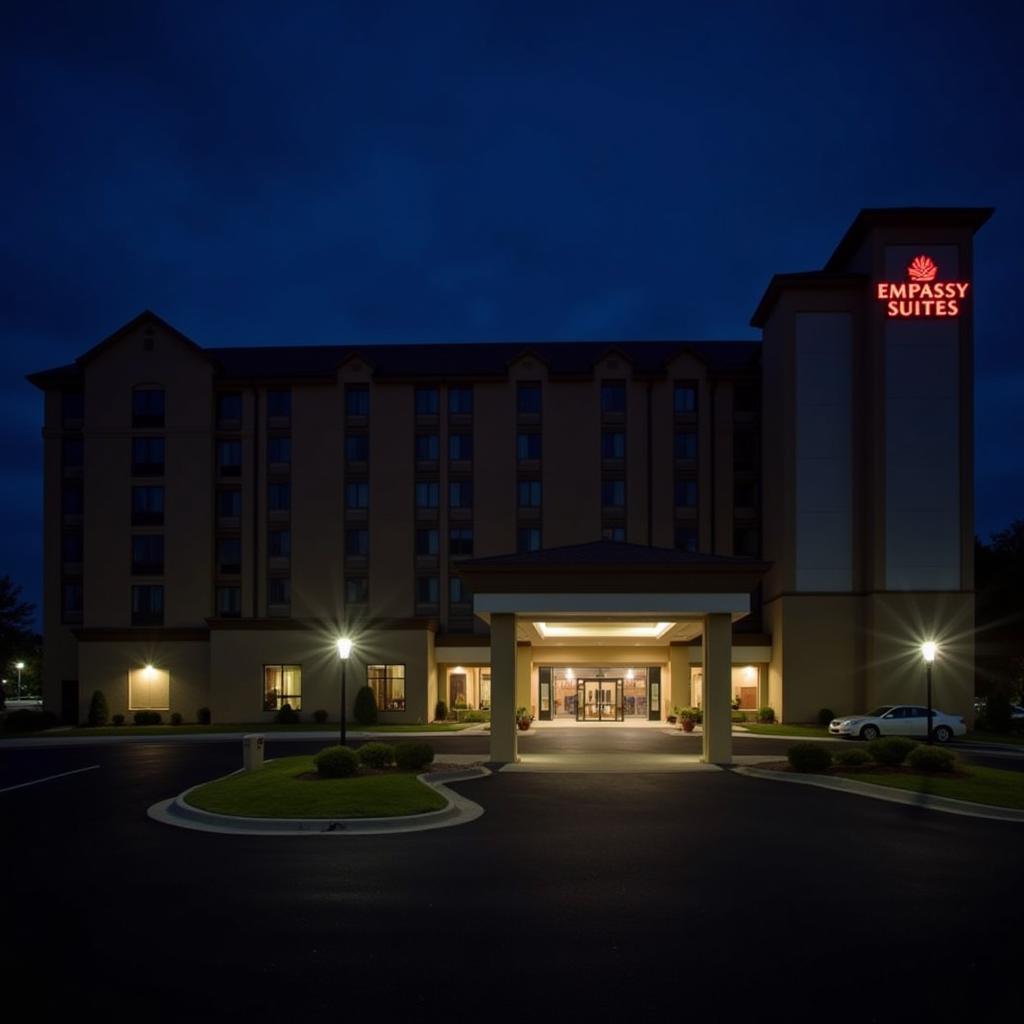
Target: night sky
303,173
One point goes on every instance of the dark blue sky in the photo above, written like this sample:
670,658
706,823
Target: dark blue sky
327,172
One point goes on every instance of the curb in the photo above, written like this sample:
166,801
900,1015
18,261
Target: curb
890,795
458,811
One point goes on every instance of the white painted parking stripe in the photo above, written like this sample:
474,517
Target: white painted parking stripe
49,778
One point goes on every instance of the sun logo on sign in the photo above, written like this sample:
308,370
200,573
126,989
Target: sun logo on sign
922,268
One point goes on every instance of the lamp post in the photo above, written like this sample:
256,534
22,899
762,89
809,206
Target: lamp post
344,646
19,666
928,651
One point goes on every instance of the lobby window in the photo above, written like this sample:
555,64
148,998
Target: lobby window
147,605
147,456
229,409
71,499
684,398
685,444
614,533
427,589
460,401
528,539
229,602
528,446
148,555
613,396
686,539
357,543
357,447
613,493
229,503
613,444
529,493
148,407
282,684
279,451
279,497
460,494
279,543
149,689
686,493
279,404
279,591
357,494
426,542
229,555
357,590
71,548
388,685
147,506
72,452
71,600
460,447
528,399
460,541
426,401
457,593
746,541
357,400
229,458
428,447
72,408
426,494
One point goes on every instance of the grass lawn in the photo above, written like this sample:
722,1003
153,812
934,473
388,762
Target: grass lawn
785,730
996,737
275,791
992,786
191,728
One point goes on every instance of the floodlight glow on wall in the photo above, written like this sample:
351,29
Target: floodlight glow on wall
622,630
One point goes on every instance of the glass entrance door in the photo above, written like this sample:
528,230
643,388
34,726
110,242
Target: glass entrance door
599,700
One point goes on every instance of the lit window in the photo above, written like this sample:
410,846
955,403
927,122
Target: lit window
460,401
427,447
426,401
388,685
282,684
149,689
684,398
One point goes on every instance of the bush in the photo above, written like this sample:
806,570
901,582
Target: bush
365,708
287,715
891,750
24,720
852,757
766,716
176,718
376,755
98,711
118,719
998,716
932,759
476,716
440,711
809,757
203,716
148,718
336,762
320,716
694,714
825,715
738,716
412,756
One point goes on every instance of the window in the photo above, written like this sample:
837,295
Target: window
229,555
528,446
460,494
71,499
147,606
229,458
229,408
745,494
485,689
460,401
613,493
279,450
684,398
528,538
460,541
529,493
279,590
426,542
427,590
686,539
388,685
148,407
72,451
613,396
744,450
71,547
745,398
229,503
282,684
357,543
685,444
147,506
427,447
614,533
147,554
357,494
147,456
357,590
426,494
357,447
528,399
613,444
746,541
72,407
457,593
71,598
279,543
357,400
279,404
460,446
229,602
426,401
686,493
279,497
149,689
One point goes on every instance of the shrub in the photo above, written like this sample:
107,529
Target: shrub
24,720
336,762
118,719
376,755
852,757
287,715
365,709
476,716
98,711
809,757
825,715
440,711
694,714
412,756
203,716
891,750
931,759
738,716
176,718
766,715
320,716
148,718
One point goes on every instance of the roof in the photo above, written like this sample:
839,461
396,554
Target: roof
603,554
808,279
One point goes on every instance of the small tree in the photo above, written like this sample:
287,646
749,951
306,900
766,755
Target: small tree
99,713
365,709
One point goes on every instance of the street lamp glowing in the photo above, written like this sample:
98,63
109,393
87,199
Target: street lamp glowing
344,648
19,665
928,650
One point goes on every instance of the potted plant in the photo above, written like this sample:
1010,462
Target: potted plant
523,719
687,720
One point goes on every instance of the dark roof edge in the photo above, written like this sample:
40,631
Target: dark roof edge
146,316
808,280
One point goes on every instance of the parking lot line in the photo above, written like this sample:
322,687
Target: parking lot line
49,778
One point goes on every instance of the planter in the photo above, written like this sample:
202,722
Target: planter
523,724
688,725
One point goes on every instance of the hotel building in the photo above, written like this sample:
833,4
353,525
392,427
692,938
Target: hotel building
599,532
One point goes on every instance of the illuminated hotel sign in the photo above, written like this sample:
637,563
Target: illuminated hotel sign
921,294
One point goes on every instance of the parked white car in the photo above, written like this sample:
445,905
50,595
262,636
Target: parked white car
899,720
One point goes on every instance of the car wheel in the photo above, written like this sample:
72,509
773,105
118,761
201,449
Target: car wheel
869,732
942,734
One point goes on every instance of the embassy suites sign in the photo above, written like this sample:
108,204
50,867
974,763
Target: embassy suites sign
921,294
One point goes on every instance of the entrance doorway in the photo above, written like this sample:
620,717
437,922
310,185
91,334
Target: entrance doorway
599,700
599,693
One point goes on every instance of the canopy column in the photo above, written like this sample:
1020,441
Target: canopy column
717,689
503,688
